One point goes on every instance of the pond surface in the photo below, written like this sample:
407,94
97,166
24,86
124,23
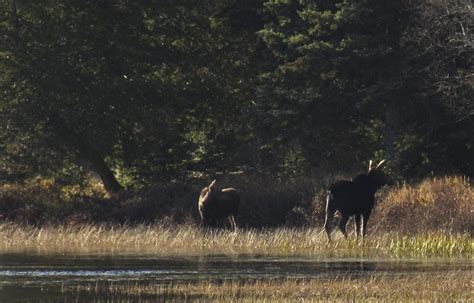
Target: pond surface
30,277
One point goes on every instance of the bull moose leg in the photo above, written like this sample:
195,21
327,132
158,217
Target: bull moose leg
342,225
366,216
232,222
357,225
213,222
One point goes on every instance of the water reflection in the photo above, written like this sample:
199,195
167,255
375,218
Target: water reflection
27,276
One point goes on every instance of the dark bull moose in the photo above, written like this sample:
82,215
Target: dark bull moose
354,198
215,204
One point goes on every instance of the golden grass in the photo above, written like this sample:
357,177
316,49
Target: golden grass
434,204
192,239
440,287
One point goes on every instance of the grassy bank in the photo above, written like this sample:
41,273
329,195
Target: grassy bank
430,218
192,239
441,287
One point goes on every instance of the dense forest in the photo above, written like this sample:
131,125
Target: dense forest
136,93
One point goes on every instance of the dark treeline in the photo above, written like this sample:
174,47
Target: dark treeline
143,92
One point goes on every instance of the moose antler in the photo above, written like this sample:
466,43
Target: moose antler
380,163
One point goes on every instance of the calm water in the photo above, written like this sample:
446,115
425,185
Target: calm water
31,277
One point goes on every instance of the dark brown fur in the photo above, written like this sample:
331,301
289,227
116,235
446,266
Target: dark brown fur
215,204
354,198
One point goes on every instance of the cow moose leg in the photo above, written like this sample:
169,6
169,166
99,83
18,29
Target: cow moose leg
330,210
357,225
342,225
328,222
364,223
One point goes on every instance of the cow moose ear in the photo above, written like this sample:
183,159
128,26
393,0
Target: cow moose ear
370,165
212,184
380,164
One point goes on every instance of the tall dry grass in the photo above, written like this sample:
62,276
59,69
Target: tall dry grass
190,239
434,204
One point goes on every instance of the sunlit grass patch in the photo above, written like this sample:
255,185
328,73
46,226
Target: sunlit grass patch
432,244
191,239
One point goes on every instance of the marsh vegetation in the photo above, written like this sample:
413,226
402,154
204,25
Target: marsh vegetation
447,286
419,247
128,277
192,239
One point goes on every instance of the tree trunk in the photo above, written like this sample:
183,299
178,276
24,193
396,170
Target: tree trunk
87,155
96,163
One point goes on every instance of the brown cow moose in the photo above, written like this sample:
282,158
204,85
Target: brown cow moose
215,204
354,198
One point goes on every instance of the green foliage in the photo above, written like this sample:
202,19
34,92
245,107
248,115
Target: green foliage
136,93
323,56
135,84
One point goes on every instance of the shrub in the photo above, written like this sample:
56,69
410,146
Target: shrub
30,202
431,205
